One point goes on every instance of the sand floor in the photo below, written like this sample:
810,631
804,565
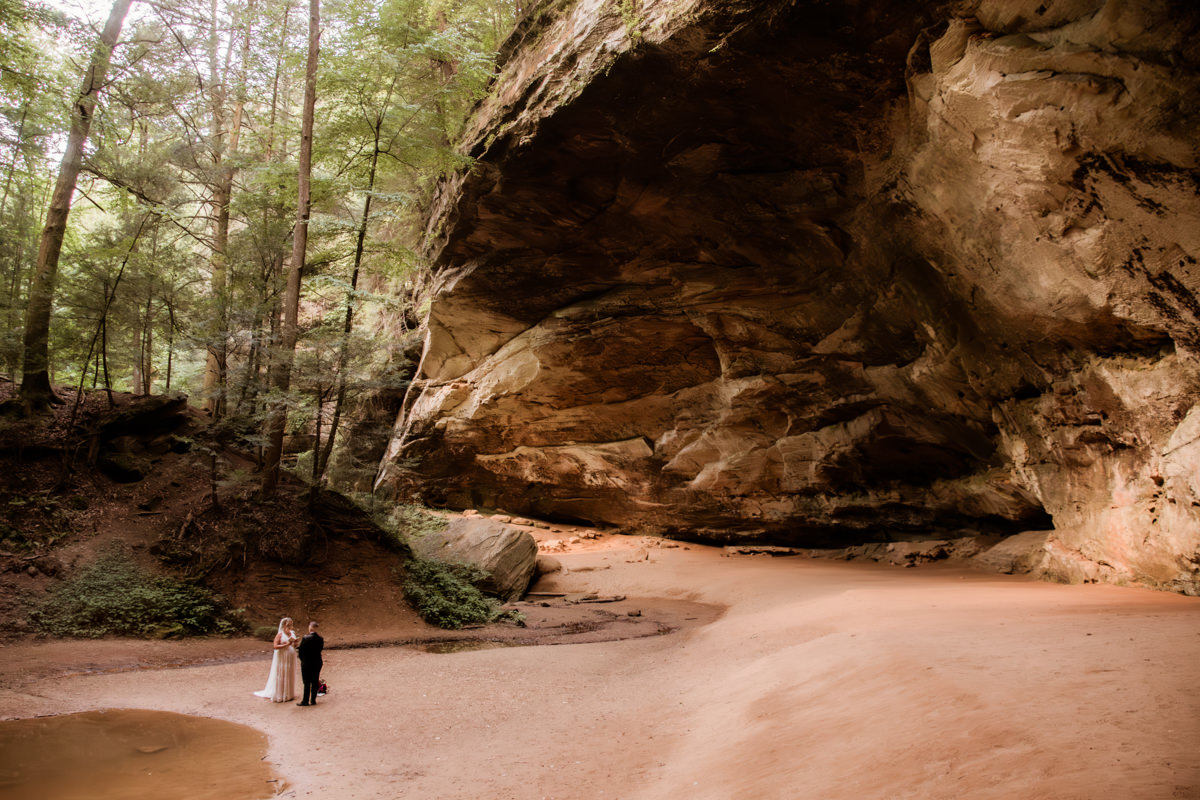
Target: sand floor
819,680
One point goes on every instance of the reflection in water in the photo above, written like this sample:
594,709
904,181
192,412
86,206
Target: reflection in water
125,753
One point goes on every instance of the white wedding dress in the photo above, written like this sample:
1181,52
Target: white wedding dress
281,683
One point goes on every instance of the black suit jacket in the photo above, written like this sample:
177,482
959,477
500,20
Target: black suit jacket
309,650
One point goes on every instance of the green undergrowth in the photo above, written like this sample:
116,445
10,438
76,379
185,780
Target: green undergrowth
114,596
443,594
448,595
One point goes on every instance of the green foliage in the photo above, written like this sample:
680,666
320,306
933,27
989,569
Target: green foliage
632,17
416,520
400,523
113,596
265,632
397,79
446,595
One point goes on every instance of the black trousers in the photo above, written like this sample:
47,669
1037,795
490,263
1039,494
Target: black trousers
310,673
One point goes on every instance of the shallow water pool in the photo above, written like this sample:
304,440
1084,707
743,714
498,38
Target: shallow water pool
125,753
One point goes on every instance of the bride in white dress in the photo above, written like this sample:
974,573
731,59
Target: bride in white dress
281,683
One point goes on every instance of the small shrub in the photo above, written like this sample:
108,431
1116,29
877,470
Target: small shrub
265,632
112,595
446,595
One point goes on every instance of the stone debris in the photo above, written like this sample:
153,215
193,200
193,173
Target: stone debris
1024,552
760,550
597,599
641,554
546,565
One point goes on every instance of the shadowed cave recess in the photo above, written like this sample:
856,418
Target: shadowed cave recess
824,273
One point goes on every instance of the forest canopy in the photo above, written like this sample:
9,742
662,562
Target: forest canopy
158,259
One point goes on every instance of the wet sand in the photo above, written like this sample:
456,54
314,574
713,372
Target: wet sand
819,679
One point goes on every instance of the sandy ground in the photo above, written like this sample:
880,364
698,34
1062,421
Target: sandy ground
818,680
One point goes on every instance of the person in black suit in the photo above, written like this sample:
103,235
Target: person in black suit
309,651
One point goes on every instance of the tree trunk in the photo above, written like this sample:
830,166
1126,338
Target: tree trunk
12,357
170,342
36,391
319,403
266,337
147,346
104,360
12,168
216,373
322,456
281,367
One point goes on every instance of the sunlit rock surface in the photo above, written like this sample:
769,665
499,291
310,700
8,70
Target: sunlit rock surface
822,273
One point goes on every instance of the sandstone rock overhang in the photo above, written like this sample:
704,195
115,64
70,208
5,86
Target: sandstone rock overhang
827,272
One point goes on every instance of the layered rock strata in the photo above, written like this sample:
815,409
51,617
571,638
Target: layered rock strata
823,273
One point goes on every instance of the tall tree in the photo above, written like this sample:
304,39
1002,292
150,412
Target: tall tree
36,391
281,367
224,151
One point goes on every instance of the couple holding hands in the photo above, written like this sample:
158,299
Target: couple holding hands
281,682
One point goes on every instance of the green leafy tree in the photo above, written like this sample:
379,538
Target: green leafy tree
281,367
31,82
36,390
398,79
194,260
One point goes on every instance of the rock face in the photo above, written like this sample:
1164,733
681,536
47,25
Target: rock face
825,273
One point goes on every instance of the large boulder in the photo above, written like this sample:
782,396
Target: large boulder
828,273
506,553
